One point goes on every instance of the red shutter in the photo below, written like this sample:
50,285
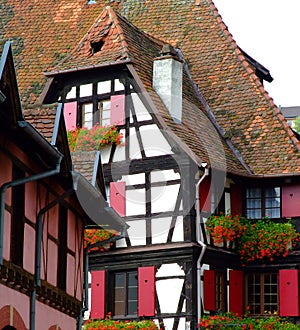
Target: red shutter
288,292
117,109
236,199
236,291
291,201
70,114
146,291
209,290
98,295
117,197
205,195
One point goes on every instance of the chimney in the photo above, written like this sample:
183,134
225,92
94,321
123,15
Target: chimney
167,81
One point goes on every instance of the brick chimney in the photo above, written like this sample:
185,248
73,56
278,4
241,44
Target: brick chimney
167,81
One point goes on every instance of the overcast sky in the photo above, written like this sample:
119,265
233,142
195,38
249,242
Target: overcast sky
268,30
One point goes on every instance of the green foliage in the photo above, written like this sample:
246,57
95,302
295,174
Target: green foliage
297,124
109,324
260,240
234,322
92,139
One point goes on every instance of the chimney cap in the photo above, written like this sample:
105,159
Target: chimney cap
168,50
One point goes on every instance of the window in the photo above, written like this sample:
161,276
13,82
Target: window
262,293
263,202
220,292
95,101
125,289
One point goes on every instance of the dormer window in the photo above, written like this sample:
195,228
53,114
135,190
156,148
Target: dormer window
97,46
100,103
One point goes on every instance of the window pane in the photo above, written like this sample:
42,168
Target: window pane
273,202
273,213
119,294
254,203
254,214
104,87
132,308
86,90
71,94
87,115
118,85
253,192
272,192
104,108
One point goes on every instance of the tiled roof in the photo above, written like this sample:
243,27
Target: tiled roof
42,118
123,40
44,32
233,92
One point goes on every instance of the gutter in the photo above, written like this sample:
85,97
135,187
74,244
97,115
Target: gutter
198,238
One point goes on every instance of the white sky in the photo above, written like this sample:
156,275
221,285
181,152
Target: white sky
268,31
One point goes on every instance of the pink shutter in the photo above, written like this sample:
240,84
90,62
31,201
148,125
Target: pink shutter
288,292
209,290
291,201
98,295
205,195
70,114
117,110
146,291
117,197
236,291
236,199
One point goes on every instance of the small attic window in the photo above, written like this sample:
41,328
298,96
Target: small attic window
97,46
91,2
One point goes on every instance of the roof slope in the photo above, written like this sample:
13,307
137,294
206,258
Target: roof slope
123,40
233,92
42,33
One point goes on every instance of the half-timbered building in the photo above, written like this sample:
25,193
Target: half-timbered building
42,216
201,136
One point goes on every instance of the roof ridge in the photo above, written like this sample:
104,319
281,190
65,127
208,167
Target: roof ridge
253,76
115,20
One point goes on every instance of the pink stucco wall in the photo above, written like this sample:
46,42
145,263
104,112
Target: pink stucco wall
31,201
45,316
52,254
29,248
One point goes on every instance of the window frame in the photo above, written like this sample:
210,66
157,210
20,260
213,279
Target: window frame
126,274
262,294
95,99
263,198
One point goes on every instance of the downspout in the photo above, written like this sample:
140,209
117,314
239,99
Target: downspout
38,248
86,307
198,238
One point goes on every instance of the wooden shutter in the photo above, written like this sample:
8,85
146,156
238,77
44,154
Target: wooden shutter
98,294
117,197
236,199
70,114
205,195
236,291
146,291
209,290
291,201
288,292
117,110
